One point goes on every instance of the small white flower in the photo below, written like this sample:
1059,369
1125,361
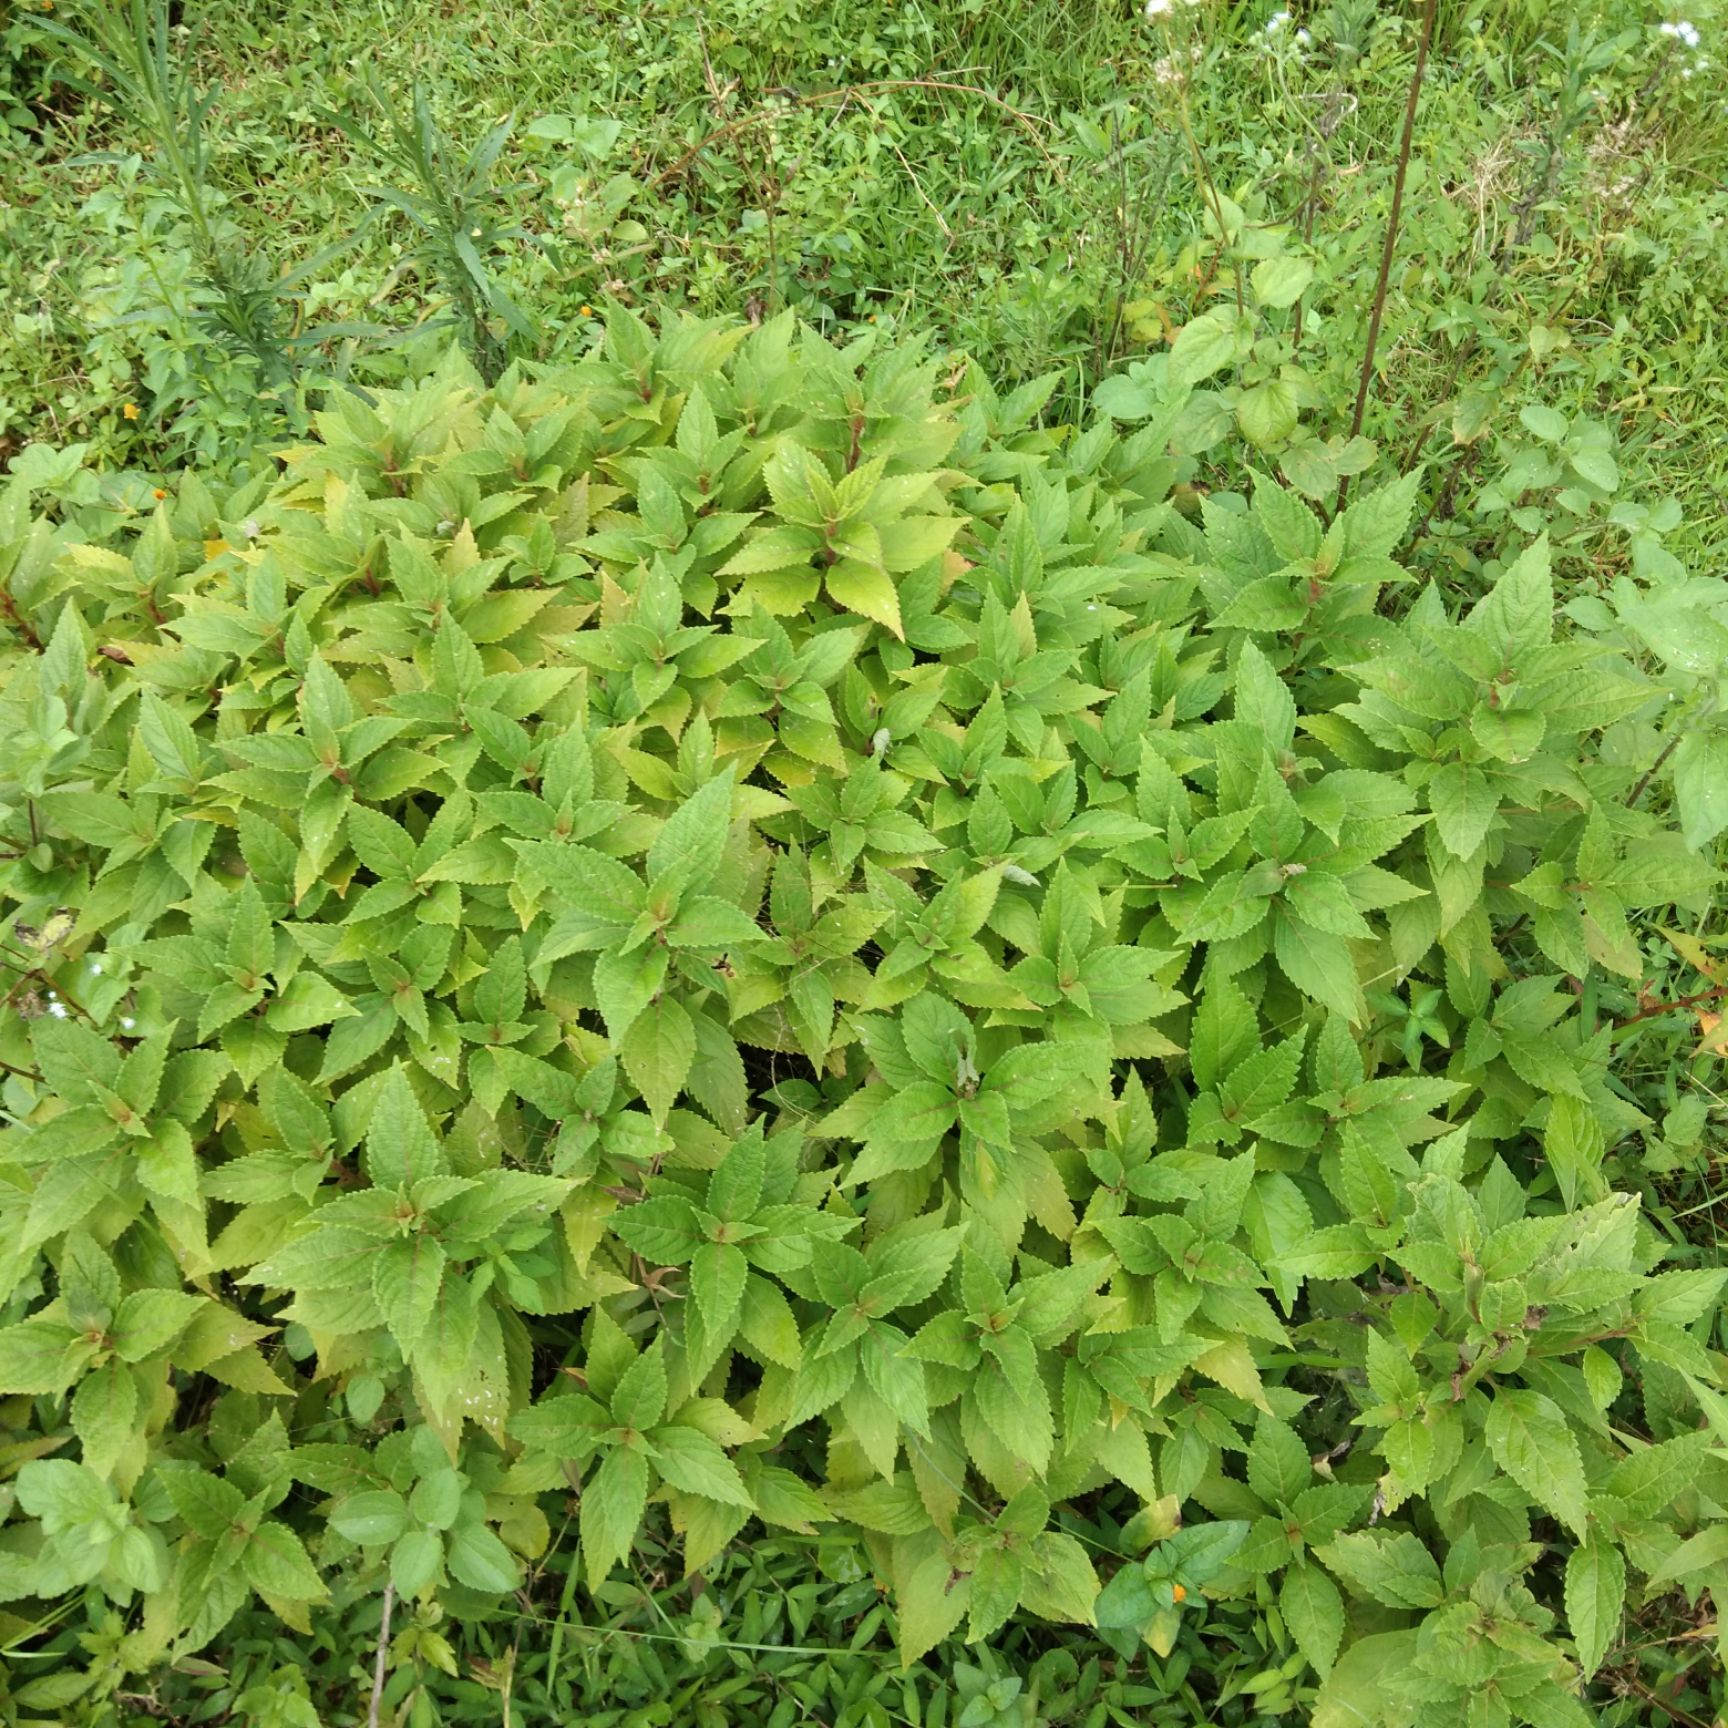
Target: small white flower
1304,37
57,1009
1688,33
251,528
1668,29
473,233
1276,22
1156,9
127,1022
1169,67
53,995
96,967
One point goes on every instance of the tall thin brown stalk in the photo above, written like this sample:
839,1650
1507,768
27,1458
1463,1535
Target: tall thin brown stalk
1390,249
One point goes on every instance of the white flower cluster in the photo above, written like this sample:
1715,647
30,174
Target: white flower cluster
1156,9
1168,69
1276,25
1686,34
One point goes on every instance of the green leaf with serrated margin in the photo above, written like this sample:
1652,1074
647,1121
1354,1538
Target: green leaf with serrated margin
1393,1567
1278,1464
691,1461
1314,1612
1531,1441
1595,1596
658,1051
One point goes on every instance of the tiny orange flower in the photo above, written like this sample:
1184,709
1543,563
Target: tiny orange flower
585,311
130,411
158,492
1177,1593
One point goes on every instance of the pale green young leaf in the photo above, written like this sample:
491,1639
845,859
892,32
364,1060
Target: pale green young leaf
481,1561
1700,1553
1204,345
1464,803
103,1411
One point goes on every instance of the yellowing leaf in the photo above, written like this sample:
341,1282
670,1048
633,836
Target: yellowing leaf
915,540
868,590
1231,1364
1696,954
1713,1035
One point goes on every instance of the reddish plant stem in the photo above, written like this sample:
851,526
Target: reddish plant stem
1679,1005
1666,751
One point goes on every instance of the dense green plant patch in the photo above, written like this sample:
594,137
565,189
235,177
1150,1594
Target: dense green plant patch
1051,1177
735,933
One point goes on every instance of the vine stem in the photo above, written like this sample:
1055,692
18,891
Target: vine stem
1667,750
378,1661
1390,249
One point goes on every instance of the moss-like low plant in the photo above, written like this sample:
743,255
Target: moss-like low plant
735,931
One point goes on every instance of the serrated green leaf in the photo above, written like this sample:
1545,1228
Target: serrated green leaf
1531,1441
691,1461
1278,1464
1595,1595
613,1500
1394,1567
1314,1612
658,1051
